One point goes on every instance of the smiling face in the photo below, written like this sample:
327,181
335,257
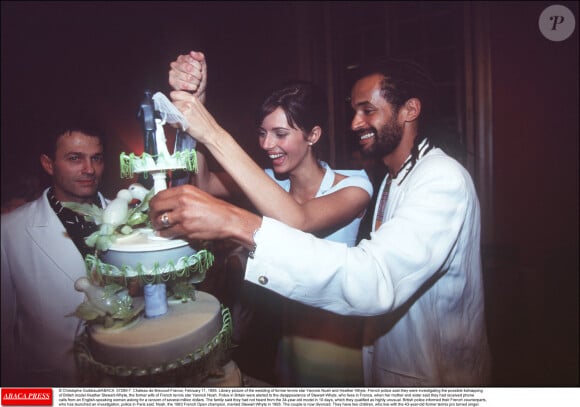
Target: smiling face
375,123
76,168
286,146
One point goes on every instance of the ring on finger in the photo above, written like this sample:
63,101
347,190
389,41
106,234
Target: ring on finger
165,220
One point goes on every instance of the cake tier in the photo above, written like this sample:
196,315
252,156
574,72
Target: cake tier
142,249
171,338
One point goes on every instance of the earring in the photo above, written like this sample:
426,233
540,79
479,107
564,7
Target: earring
310,143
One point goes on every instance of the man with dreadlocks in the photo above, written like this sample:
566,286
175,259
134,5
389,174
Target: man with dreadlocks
418,278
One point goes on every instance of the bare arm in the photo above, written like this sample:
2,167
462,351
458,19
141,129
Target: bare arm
315,215
189,73
218,184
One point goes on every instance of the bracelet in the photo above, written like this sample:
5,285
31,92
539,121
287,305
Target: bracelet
253,249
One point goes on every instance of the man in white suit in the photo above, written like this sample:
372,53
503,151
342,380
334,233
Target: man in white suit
42,256
420,271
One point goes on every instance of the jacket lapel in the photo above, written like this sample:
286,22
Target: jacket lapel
49,234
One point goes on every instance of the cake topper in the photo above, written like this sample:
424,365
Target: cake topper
156,111
147,116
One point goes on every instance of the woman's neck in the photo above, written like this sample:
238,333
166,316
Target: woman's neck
305,180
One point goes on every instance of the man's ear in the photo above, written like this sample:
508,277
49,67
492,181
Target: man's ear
314,135
412,109
47,164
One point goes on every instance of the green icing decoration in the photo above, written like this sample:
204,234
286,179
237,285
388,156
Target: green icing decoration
195,265
128,162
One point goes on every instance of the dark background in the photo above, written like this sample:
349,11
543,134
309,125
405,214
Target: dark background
60,56
101,56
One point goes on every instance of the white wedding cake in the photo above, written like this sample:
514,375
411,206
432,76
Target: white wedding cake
144,321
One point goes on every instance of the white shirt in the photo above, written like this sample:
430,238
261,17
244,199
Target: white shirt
355,178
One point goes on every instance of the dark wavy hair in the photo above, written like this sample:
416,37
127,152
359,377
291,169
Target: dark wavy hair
55,127
304,104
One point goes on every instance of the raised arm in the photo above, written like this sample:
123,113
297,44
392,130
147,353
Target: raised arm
325,214
189,73
316,215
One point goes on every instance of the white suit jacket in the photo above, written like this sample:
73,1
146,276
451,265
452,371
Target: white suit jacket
40,264
419,276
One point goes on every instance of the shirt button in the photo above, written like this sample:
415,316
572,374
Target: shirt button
263,280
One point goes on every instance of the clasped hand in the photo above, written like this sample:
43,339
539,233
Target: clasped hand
188,78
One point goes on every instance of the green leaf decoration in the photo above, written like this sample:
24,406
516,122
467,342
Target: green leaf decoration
107,230
104,243
184,291
91,211
91,240
137,218
144,204
125,229
112,289
126,311
87,312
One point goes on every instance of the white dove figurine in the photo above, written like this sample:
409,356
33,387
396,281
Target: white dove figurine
117,218
138,191
117,211
96,296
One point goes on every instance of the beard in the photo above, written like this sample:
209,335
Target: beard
387,139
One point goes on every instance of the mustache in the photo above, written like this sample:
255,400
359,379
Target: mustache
367,130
